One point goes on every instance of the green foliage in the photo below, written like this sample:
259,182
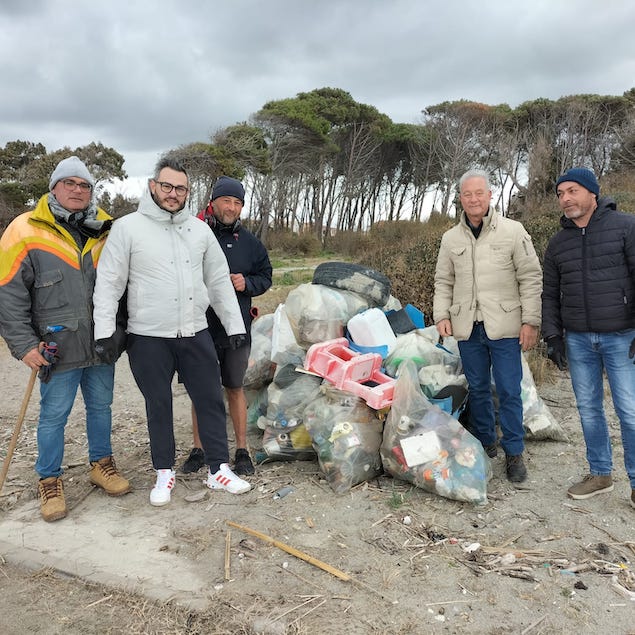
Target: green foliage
292,277
541,228
246,146
406,252
293,244
26,167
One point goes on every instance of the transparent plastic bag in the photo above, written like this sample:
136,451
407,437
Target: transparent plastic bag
423,348
318,313
292,443
285,437
538,422
429,448
259,367
257,406
346,435
288,394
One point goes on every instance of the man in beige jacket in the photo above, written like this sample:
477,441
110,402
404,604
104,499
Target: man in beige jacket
487,294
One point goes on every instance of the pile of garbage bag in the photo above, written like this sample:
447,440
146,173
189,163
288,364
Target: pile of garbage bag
366,388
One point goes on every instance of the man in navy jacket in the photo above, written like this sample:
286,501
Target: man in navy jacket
588,318
250,272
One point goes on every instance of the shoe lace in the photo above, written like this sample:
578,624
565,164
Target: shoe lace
163,478
51,489
109,468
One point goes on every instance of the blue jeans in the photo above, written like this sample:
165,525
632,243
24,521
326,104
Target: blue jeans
56,400
589,354
482,358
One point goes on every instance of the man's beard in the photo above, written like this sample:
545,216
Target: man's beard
171,211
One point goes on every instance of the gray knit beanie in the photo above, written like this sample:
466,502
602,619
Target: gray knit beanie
72,166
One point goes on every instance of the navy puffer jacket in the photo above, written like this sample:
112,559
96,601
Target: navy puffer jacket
589,274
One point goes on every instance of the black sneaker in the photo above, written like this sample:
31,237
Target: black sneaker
194,462
242,463
491,450
516,470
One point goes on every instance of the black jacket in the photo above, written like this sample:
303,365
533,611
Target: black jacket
589,274
247,255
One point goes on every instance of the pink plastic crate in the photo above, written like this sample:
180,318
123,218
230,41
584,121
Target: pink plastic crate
351,371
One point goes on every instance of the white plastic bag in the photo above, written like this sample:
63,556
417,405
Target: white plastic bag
284,348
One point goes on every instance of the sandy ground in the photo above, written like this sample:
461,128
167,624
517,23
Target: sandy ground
546,564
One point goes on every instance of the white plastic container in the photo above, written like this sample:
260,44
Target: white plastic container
371,328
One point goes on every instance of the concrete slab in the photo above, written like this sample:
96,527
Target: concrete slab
120,542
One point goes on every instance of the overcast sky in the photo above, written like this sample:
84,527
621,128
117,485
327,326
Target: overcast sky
144,76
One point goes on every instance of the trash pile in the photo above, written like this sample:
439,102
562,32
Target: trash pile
343,374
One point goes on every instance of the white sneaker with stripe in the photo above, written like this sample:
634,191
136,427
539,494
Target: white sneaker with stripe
226,480
161,492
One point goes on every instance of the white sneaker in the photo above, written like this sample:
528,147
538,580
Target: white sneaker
160,494
226,480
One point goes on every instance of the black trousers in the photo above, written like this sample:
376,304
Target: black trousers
153,361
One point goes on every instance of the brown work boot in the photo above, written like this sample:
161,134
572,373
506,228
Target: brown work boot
52,503
103,473
591,485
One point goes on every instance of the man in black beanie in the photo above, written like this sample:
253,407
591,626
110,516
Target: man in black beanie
250,272
588,319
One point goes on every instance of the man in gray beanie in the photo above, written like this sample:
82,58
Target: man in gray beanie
48,257
588,319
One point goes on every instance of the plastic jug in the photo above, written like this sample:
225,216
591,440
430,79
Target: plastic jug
371,328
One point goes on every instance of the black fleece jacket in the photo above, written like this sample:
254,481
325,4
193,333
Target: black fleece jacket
247,255
589,274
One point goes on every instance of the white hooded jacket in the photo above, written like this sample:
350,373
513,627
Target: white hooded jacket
173,269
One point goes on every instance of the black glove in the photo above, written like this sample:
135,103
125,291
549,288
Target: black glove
50,354
631,351
107,350
236,341
556,351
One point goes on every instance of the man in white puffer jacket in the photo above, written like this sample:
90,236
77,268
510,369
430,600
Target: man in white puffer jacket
172,268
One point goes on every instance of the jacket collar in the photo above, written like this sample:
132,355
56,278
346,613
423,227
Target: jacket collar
490,220
605,205
149,208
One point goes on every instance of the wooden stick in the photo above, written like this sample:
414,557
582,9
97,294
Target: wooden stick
18,427
228,544
294,552
533,625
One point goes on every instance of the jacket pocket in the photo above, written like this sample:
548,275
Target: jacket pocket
49,291
509,307
500,253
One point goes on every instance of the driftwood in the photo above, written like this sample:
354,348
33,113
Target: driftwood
293,551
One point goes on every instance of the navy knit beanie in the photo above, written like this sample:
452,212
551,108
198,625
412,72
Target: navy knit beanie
226,186
583,177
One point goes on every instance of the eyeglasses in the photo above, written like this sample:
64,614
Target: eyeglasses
166,188
70,185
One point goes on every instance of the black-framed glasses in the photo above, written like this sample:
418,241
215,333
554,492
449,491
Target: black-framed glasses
70,185
166,188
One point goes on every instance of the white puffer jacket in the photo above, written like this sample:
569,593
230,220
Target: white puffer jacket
173,269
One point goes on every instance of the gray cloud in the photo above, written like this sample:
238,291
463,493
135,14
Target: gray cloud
147,76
